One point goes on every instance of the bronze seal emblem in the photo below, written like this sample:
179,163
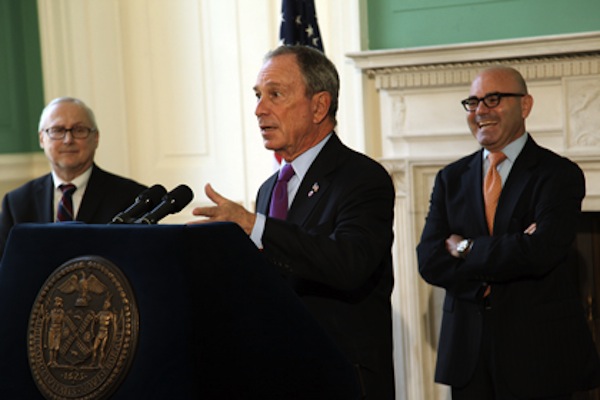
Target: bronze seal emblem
83,330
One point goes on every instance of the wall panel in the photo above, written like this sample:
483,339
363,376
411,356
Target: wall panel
413,23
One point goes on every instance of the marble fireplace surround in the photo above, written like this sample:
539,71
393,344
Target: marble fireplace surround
412,97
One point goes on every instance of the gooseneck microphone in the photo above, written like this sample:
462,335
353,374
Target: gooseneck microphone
171,203
143,203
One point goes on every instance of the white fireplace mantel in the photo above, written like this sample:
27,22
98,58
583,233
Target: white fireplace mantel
588,42
423,127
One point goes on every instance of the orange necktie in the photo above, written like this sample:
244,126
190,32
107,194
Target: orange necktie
492,186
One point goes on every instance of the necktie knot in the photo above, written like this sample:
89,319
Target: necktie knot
496,158
286,173
67,189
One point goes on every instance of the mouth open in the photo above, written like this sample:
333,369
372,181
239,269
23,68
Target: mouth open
485,124
264,128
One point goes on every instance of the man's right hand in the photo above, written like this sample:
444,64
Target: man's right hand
225,210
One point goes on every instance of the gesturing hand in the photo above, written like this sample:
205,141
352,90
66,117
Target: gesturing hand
224,210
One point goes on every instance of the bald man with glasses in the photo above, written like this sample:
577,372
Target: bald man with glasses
497,238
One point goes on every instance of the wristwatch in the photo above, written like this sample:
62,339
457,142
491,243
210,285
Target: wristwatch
463,247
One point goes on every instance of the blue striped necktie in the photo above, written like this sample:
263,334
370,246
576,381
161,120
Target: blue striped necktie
65,205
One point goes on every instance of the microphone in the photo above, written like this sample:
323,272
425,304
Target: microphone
143,202
171,203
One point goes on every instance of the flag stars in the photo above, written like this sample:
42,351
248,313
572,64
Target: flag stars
299,24
309,30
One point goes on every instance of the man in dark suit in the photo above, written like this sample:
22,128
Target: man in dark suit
334,246
69,135
513,326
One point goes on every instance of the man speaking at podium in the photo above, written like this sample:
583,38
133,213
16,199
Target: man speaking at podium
76,189
325,219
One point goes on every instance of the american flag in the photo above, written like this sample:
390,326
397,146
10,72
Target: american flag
299,24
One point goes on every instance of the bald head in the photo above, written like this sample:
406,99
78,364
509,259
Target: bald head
507,75
500,121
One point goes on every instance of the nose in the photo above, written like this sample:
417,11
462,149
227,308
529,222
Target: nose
260,108
481,108
68,136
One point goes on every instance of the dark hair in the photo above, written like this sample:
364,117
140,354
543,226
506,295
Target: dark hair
320,75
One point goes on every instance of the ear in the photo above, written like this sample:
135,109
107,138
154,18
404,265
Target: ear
41,139
321,102
526,105
96,139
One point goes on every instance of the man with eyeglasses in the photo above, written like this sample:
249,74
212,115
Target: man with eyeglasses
497,240
69,136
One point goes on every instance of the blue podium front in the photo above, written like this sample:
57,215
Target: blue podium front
214,320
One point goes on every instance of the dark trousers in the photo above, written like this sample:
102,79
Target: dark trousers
376,386
484,385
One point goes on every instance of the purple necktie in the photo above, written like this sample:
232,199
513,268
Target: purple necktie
279,198
65,205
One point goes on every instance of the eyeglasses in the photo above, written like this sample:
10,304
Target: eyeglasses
490,100
77,132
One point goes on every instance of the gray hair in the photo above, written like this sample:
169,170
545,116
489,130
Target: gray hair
319,73
88,111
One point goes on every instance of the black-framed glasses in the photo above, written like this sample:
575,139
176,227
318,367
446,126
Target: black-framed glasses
77,132
490,100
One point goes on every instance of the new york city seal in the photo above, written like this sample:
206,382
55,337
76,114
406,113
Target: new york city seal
83,330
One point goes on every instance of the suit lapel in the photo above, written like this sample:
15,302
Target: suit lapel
44,198
264,196
317,180
311,190
94,193
473,178
520,175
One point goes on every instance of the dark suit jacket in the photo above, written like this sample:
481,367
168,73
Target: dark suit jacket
105,196
542,346
335,250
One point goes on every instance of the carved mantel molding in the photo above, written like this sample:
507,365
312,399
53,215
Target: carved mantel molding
461,73
542,46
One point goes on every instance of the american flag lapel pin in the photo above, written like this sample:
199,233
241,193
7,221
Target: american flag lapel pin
314,189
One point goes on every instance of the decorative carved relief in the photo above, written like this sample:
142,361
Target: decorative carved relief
583,102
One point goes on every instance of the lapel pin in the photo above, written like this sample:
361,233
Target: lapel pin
315,189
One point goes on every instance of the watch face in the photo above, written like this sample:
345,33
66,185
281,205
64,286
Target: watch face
462,246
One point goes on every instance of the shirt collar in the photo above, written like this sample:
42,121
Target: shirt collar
303,162
80,182
511,150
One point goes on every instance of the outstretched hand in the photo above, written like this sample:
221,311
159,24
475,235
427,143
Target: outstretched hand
224,210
